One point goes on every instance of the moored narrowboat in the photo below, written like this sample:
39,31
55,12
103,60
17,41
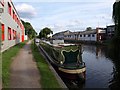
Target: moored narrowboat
67,58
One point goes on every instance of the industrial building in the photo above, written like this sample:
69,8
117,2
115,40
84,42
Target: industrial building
12,29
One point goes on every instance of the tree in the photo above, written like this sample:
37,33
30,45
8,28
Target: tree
115,43
29,31
116,18
45,32
88,29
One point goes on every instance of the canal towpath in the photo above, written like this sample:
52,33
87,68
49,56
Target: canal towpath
24,72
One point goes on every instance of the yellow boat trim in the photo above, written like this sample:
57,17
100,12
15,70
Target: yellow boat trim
76,71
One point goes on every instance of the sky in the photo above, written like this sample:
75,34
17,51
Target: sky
61,15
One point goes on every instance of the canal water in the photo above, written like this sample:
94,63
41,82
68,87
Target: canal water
101,69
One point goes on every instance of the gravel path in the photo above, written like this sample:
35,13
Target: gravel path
24,72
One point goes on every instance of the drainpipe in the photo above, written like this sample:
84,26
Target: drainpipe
97,34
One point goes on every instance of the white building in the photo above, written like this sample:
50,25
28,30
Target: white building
12,29
82,36
88,35
110,31
97,34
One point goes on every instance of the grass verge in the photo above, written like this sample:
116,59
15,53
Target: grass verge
6,62
48,79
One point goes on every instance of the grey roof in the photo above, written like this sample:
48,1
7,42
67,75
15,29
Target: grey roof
61,32
83,32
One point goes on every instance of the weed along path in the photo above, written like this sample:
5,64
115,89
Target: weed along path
24,72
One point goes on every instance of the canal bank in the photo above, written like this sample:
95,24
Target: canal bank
51,81
86,42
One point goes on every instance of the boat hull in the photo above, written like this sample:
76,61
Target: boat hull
75,74
74,71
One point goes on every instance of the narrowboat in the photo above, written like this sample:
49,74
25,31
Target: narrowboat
67,58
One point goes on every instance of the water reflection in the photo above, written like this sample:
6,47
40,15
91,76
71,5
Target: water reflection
103,67
114,54
72,84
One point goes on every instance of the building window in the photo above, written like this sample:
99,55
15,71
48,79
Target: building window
80,35
9,34
93,35
17,21
9,9
2,2
15,18
14,34
84,35
13,15
3,32
88,35
22,38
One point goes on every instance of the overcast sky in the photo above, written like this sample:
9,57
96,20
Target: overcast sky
61,15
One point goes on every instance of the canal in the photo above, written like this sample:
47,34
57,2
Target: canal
101,69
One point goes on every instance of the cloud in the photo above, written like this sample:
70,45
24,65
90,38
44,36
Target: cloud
77,11
66,15
26,11
78,15
72,25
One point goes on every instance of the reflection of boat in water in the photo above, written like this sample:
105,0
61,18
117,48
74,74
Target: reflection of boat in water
67,58
74,84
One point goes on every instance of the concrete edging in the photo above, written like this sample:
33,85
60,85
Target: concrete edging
46,56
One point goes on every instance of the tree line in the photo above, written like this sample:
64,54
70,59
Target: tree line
45,32
116,19
29,30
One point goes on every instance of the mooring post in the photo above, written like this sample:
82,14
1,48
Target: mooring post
34,43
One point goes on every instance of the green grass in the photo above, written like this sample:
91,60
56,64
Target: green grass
48,79
6,62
